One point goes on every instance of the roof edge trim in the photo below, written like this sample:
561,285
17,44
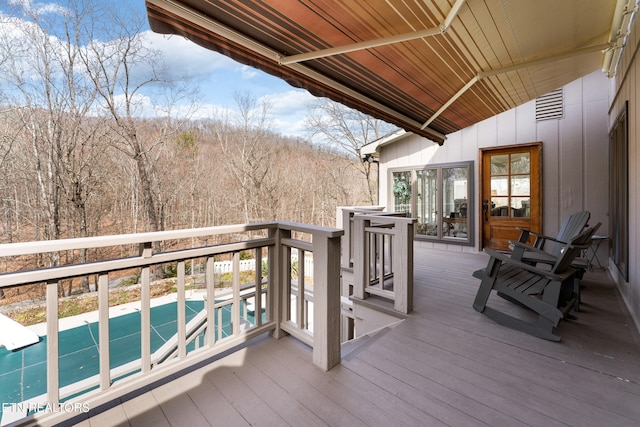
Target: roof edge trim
373,148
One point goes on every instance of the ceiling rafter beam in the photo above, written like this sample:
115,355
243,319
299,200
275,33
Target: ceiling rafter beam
515,67
414,35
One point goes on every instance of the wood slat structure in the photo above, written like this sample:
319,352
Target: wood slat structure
429,67
444,365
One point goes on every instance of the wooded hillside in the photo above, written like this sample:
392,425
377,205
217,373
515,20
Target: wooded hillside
209,174
79,155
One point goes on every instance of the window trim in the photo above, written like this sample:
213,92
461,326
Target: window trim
439,238
619,192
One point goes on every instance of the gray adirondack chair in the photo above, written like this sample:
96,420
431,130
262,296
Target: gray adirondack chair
571,226
547,290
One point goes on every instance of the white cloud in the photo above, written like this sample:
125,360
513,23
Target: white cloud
287,115
24,4
248,73
185,59
291,126
289,111
216,76
28,6
213,111
290,102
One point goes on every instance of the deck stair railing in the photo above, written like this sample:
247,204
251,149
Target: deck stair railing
289,299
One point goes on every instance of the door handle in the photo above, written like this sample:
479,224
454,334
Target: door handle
485,209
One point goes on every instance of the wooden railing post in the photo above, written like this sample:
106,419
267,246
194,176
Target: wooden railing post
326,302
278,274
403,266
347,241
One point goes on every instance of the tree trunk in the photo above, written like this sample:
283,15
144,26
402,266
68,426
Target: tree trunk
147,193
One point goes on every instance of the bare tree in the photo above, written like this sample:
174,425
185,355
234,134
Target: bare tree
347,130
123,69
51,104
248,158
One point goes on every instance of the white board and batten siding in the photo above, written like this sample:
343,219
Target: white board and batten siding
575,151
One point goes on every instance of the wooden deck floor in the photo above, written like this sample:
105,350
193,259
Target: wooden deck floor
444,365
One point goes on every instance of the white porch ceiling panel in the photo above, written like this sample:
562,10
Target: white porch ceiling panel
429,66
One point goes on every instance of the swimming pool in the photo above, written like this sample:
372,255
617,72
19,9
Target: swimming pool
23,372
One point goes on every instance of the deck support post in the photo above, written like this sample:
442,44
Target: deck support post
403,267
326,302
278,275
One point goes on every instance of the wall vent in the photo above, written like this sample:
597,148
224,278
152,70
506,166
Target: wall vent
550,106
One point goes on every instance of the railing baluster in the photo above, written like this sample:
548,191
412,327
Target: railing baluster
373,270
146,251
103,331
360,261
288,285
211,302
181,312
145,319
389,248
257,298
235,307
280,268
381,260
53,373
301,315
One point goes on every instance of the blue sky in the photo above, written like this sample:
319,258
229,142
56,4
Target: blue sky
217,77
220,78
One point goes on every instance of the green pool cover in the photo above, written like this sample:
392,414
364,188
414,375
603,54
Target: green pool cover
23,373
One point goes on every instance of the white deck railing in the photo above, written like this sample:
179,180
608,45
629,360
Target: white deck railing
221,267
312,318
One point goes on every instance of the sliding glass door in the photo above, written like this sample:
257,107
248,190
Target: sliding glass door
440,197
